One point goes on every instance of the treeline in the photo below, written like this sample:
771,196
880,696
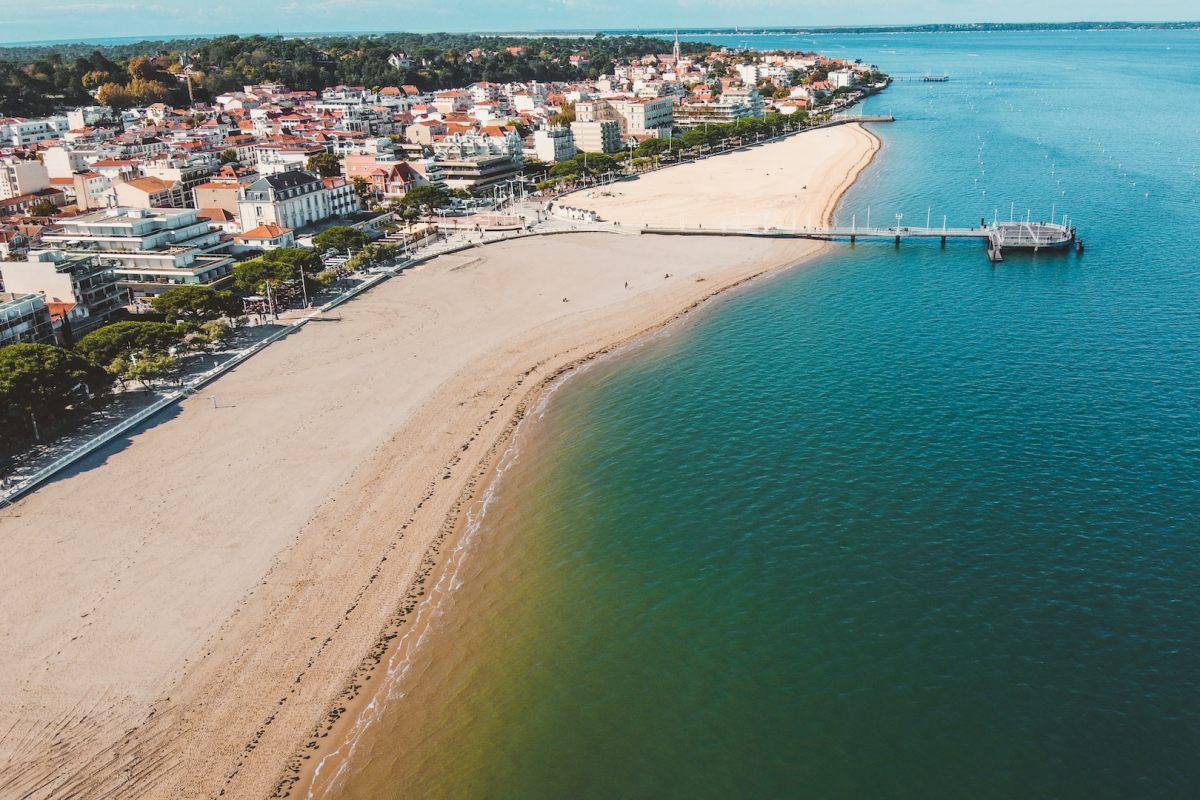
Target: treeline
54,78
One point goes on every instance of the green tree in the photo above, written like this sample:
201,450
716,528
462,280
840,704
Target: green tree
121,339
218,333
325,164
42,208
229,156
426,196
277,267
341,238
372,254
192,303
148,368
362,188
40,382
114,95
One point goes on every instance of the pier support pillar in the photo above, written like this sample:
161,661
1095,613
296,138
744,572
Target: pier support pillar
897,240
852,237
943,241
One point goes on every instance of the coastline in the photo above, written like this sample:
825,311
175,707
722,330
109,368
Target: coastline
214,716
359,711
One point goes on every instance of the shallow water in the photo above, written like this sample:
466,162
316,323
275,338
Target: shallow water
900,523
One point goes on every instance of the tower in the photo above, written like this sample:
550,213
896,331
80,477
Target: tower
675,50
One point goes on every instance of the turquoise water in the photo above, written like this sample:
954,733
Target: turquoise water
901,523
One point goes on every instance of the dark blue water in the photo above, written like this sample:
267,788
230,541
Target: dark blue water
902,523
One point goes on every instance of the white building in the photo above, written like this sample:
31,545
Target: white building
841,78
80,283
292,199
553,144
149,250
87,116
20,176
20,132
600,136
645,115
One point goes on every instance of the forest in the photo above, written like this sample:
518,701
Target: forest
40,80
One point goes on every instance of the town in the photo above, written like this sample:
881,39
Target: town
133,233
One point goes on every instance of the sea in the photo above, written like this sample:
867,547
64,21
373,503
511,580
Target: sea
899,523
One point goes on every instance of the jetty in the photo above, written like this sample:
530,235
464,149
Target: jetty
996,236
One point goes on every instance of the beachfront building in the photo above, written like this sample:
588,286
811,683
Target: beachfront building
553,144
599,136
291,199
24,318
642,116
477,160
80,285
841,78
734,104
148,250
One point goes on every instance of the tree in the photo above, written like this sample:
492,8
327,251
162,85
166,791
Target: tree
114,95
40,382
566,116
217,333
325,164
277,267
341,238
362,188
372,254
42,208
146,368
121,339
425,196
95,79
229,156
192,303
146,92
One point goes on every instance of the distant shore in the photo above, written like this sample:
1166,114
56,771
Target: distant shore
201,610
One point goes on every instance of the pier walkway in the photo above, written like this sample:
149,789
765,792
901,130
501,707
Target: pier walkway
997,236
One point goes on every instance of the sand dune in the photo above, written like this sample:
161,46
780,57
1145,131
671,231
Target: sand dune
181,613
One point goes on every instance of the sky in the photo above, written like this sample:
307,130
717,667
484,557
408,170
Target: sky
21,20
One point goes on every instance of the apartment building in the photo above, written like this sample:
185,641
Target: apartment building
148,250
600,136
20,176
20,132
24,318
553,144
83,286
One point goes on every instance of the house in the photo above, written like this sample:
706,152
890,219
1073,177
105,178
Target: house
294,199
150,192
267,237
386,177
400,61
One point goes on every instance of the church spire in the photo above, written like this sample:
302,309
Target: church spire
675,50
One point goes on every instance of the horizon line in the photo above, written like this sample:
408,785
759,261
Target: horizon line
637,30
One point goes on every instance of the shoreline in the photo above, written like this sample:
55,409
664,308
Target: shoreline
192,655
344,724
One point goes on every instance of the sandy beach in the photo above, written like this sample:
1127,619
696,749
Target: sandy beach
186,615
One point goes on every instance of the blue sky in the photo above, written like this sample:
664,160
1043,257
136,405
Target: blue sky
21,20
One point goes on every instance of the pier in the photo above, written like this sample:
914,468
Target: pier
997,236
